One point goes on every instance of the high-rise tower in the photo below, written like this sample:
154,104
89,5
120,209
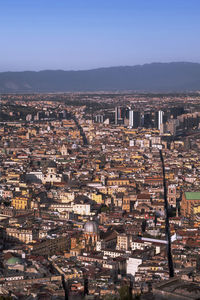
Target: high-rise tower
131,118
160,118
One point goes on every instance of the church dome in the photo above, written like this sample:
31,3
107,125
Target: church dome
52,164
90,227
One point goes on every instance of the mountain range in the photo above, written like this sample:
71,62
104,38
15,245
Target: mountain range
154,77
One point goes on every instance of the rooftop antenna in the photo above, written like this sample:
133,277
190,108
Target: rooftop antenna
167,226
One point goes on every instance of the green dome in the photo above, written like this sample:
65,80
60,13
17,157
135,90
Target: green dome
13,261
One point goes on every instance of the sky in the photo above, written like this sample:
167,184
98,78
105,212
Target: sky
87,34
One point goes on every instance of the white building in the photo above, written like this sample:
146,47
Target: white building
50,176
131,114
132,265
160,118
81,209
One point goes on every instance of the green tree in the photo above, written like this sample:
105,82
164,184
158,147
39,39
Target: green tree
124,293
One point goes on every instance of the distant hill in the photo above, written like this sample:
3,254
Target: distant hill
155,77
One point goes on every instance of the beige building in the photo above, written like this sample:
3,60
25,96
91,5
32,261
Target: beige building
123,242
25,235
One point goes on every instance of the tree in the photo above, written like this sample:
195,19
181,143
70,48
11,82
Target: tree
124,293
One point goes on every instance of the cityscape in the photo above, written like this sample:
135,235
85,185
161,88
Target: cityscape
83,201
99,150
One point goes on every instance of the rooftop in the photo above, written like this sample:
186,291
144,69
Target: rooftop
192,195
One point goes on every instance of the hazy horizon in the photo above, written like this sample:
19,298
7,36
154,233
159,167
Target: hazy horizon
100,67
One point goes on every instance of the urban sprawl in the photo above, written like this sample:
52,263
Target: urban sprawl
82,198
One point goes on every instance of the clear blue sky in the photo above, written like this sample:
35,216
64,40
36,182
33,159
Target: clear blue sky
84,34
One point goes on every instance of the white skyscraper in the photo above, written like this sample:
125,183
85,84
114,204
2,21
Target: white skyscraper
131,118
160,118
